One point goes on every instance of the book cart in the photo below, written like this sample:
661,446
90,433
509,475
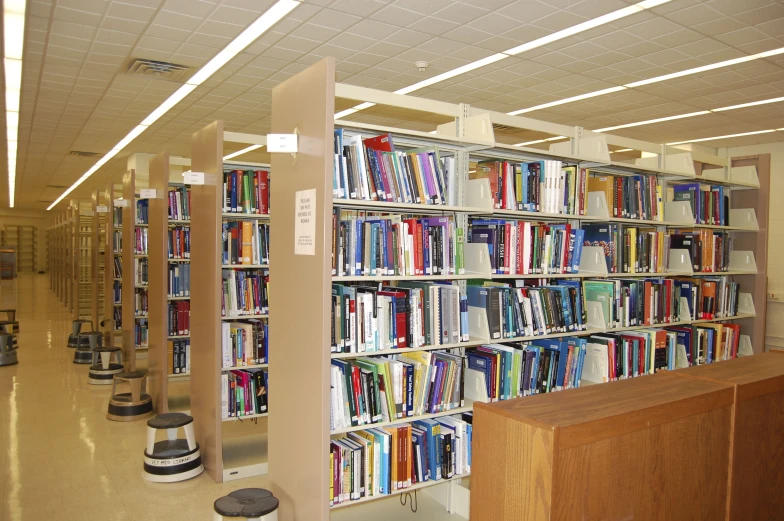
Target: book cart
232,447
299,459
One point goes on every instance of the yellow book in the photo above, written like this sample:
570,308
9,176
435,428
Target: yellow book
633,264
659,203
331,483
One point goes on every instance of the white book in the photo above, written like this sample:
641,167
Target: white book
224,395
226,344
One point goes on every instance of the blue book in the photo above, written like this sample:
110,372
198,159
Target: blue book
601,235
523,204
480,363
577,254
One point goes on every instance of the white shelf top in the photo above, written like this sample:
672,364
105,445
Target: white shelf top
409,419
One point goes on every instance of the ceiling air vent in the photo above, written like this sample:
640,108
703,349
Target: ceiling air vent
80,153
158,70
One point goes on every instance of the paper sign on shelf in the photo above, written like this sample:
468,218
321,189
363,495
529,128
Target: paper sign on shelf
305,222
102,208
122,203
282,143
148,193
193,178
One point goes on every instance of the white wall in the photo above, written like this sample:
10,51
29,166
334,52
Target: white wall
775,315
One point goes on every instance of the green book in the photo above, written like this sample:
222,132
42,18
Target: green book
603,293
459,251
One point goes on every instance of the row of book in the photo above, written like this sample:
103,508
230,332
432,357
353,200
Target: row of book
630,197
142,211
117,241
525,308
140,302
179,318
616,356
709,250
382,461
651,301
140,242
373,245
117,319
179,203
117,217
117,292
245,292
545,186
244,343
117,267
178,355
141,334
371,169
246,191
379,389
244,393
245,242
523,248
709,203
179,279
411,314
141,271
179,242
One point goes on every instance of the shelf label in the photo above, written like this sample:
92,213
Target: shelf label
121,203
193,178
305,222
102,208
148,193
282,143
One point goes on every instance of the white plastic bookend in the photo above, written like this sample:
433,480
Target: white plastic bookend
743,261
478,130
712,174
596,318
746,304
745,218
121,203
744,346
597,206
592,148
475,387
674,163
477,195
684,314
679,212
477,324
477,260
593,262
744,174
680,262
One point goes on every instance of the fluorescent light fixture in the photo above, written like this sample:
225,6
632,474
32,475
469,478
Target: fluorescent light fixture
280,9
243,151
539,42
723,137
556,138
657,120
752,104
352,110
567,100
621,150
13,48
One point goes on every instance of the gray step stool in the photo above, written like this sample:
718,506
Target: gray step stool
103,369
256,504
11,327
76,328
173,459
7,350
133,405
84,353
10,315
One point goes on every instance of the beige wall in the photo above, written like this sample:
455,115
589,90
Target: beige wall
775,315
30,218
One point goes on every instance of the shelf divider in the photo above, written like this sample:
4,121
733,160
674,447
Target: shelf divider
158,274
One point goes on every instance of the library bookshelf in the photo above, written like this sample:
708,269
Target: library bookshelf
299,460
233,447
112,245
128,279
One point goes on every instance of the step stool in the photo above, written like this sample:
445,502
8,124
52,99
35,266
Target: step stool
84,353
173,459
76,327
10,315
10,327
255,504
103,370
133,405
7,350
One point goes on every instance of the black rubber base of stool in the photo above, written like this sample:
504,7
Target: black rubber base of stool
83,357
122,409
84,342
8,364
100,376
171,461
246,502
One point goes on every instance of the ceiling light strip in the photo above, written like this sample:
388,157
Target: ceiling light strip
657,120
243,151
556,138
539,42
13,39
270,17
723,137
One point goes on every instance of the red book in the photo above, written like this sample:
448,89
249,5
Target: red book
507,251
264,192
355,388
418,249
617,202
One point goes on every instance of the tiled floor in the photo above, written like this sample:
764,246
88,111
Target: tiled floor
61,459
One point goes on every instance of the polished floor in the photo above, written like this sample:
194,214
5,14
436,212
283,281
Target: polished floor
61,459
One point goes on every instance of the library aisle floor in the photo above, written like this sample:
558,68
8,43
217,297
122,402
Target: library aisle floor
60,458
